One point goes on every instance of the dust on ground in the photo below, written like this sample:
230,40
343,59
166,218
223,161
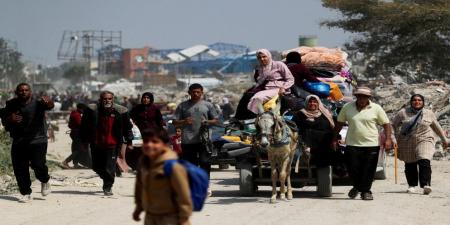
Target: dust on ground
77,199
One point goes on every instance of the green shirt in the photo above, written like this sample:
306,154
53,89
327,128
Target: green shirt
362,125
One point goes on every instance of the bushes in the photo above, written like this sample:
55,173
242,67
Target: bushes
5,153
7,182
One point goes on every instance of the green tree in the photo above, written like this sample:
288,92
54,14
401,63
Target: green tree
11,66
404,37
75,72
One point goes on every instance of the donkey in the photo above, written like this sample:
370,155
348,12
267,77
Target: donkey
281,143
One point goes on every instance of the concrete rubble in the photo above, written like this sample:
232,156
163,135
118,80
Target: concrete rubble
58,180
6,183
230,88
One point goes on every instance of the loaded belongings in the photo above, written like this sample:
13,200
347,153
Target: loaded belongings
329,65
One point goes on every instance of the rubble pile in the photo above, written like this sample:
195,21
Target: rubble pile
7,183
395,97
231,89
61,180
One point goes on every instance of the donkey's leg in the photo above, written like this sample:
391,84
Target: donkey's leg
283,176
274,176
289,186
289,169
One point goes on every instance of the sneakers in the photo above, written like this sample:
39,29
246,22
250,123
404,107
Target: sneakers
367,196
65,165
411,190
25,198
353,193
427,190
45,188
209,192
108,192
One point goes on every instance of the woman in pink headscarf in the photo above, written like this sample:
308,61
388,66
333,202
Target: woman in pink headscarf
272,78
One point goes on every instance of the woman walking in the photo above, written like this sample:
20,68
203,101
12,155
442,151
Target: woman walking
414,128
316,131
146,115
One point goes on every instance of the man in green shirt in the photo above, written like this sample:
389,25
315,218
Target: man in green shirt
362,140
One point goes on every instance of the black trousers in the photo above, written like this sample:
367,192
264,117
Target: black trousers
104,161
423,174
80,153
362,165
25,154
197,155
242,112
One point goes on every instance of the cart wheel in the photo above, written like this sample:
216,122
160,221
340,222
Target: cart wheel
380,174
224,166
246,183
324,182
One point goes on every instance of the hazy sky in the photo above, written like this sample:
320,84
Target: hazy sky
37,25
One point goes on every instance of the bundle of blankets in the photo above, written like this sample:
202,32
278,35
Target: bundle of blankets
330,59
330,65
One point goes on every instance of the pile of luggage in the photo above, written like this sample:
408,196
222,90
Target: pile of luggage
331,67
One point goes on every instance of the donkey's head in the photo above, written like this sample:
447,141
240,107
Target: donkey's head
266,123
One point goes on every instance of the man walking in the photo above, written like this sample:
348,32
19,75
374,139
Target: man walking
362,142
190,115
24,119
105,126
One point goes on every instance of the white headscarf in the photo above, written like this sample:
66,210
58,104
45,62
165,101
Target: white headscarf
312,115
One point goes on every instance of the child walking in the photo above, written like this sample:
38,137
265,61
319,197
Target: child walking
165,199
175,141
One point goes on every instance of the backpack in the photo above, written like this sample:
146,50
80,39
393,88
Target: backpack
198,181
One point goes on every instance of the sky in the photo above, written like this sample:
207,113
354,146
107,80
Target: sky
37,25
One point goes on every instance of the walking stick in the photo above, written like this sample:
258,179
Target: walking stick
395,163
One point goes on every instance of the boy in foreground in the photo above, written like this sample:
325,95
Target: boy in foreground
165,199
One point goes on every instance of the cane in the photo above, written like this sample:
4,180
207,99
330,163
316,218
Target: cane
395,163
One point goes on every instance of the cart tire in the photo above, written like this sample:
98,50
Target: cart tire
224,166
324,182
246,182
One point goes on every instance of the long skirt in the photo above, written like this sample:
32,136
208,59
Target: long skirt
260,98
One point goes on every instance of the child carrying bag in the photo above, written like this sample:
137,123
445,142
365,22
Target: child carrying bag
198,181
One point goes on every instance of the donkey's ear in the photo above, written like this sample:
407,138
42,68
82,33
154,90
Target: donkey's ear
276,110
260,107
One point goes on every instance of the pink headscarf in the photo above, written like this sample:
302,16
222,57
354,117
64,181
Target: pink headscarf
264,71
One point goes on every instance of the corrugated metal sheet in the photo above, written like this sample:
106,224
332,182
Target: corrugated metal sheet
196,50
207,82
175,57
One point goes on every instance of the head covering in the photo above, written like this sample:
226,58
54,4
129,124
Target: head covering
411,100
363,91
311,115
225,100
264,52
293,57
409,126
149,95
264,71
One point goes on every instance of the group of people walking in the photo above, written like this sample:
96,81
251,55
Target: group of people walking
106,127
320,132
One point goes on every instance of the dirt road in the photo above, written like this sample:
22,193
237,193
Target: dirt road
77,200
